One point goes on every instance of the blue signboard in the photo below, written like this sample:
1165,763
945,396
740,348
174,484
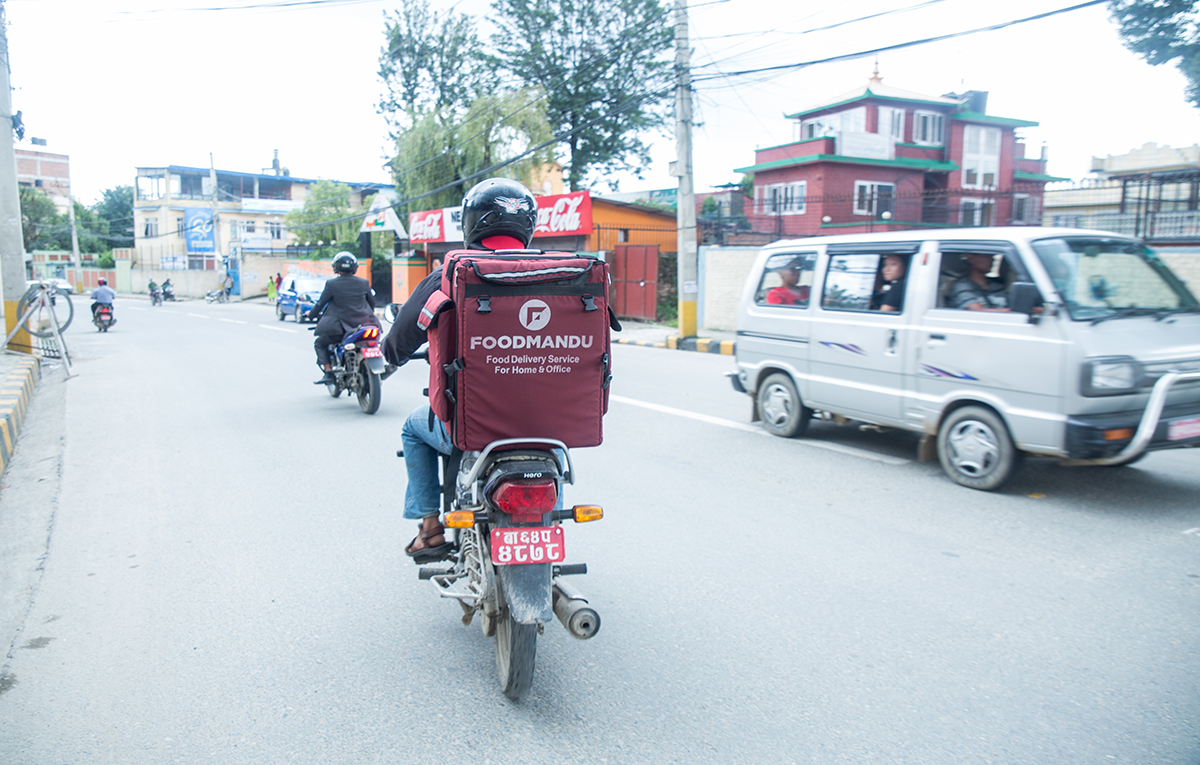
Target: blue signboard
198,223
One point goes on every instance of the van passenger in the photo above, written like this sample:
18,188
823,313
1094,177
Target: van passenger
790,292
977,291
890,296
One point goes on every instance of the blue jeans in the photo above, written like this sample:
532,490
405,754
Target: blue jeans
422,447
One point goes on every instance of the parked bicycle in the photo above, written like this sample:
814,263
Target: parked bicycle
45,299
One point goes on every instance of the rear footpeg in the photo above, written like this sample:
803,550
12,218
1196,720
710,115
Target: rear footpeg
426,572
580,619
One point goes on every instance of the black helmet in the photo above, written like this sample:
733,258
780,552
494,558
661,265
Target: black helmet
498,207
344,263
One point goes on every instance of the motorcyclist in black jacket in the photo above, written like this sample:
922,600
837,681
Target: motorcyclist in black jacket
346,302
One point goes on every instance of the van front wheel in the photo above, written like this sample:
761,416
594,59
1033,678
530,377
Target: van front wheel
783,413
976,450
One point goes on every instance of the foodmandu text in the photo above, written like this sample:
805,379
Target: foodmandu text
516,342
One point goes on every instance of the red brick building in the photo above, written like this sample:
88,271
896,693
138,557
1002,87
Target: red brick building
46,172
880,158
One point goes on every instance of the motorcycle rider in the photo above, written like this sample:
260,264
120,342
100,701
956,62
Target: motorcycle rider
497,214
103,295
168,290
346,303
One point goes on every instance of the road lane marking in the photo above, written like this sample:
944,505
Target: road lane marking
1192,531
198,315
233,321
850,450
277,329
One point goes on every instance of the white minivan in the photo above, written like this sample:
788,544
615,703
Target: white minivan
993,342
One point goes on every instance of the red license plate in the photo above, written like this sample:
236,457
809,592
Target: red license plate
540,544
1189,428
371,351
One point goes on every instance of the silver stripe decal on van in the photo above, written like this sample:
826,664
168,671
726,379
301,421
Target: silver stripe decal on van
850,450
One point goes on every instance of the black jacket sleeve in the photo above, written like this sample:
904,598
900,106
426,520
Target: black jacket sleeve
405,337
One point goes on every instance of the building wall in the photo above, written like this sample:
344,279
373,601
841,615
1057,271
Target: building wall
723,272
51,173
643,227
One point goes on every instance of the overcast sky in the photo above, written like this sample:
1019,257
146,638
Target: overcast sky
121,84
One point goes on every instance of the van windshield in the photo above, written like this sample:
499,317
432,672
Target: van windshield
1099,279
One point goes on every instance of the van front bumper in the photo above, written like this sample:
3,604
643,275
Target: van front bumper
1119,437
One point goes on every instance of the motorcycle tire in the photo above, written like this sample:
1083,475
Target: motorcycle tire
516,654
369,391
333,389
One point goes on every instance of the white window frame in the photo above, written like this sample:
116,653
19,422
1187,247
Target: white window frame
975,207
150,226
929,128
782,198
872,196
981,157
847,121
275,229
1028,202
891,122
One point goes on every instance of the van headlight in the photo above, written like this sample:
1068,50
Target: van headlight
1110,376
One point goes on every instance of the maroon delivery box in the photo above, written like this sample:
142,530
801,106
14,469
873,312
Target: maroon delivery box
519,346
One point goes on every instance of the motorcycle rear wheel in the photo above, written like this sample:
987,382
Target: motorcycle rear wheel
333,389
516,653
369,390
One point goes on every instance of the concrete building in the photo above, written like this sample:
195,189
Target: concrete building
880,158
47,172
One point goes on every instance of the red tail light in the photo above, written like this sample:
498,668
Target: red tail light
525,496
371,334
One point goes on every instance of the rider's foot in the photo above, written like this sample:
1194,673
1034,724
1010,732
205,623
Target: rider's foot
430,542
328,379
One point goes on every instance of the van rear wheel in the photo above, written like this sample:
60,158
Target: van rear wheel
783,413
976,450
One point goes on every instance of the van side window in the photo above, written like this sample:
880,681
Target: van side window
866,282
787,280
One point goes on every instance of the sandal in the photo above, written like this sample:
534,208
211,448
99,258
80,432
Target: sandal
429,553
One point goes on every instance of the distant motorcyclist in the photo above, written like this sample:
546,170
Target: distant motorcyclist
168,290
102,295
346,303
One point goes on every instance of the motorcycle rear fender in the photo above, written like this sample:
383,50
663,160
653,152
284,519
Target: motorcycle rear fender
376,364
527,591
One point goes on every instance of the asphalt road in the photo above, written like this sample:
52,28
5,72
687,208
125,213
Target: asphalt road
203,564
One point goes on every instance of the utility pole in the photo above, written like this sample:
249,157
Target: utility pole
74,240
685,201
12,244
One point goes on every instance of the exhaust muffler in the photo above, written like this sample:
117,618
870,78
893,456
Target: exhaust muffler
573,611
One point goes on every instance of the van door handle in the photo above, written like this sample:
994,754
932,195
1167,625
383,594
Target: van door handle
891,345
937,337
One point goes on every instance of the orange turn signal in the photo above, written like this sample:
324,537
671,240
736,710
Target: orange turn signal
1118,434
460,519
585,513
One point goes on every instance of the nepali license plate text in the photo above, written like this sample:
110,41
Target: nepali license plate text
527,545
1178,429
371,351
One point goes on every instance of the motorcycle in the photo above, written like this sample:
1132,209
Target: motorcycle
103,317
219,295
168,292
504,505
156,296
358,366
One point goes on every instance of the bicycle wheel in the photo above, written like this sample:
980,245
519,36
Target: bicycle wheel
46,301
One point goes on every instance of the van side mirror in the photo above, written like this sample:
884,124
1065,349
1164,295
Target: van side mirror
1023,297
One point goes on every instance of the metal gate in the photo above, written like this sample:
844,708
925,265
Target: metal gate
635,281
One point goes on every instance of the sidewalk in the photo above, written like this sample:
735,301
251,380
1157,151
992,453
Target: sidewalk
663,336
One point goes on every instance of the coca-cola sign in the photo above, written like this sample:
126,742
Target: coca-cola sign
565,215
558,215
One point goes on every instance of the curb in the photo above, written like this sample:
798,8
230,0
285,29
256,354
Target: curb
698,344
15,391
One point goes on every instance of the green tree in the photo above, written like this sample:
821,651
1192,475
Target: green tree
115,208
1162,31
91,232
601,64
325,217
40,220
430,64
